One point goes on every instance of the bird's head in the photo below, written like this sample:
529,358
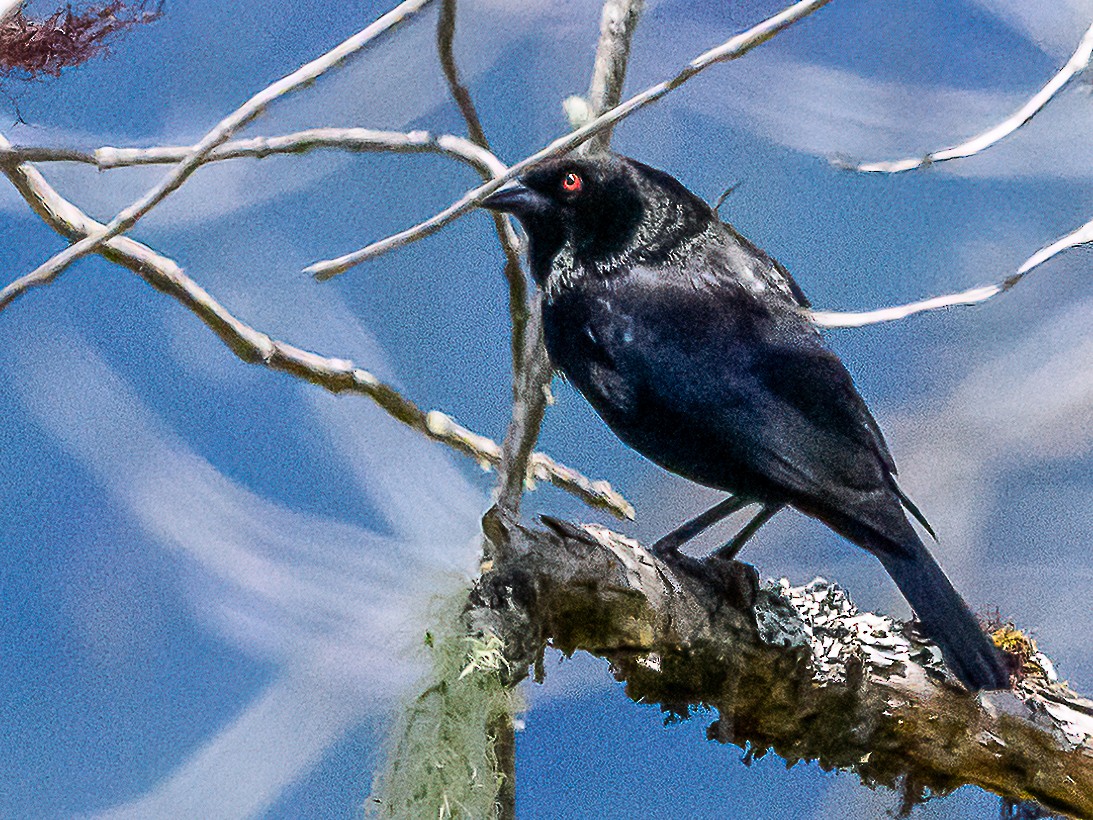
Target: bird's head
602,211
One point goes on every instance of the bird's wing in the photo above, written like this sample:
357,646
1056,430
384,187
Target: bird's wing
734,391
806,376
773,272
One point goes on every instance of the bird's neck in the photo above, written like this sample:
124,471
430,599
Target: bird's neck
562,272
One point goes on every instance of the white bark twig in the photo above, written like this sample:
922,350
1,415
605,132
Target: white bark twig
1077,63
617,23
255,347
354,140
736,47
972,296
346,139
223,131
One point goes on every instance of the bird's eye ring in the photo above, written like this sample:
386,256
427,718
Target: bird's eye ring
572,183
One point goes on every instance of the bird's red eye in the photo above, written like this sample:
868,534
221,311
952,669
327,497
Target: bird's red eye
572,183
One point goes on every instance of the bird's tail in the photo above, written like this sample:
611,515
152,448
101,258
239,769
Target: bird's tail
942,613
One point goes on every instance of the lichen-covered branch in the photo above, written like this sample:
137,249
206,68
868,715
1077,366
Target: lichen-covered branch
253,346
797,671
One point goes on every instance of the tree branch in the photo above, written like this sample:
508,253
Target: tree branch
794,670
617,24
223,131
532,386
510,243
255,347
445,37
972,296
1077,63
734,48
363,140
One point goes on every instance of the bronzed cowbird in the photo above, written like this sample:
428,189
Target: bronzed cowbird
695,348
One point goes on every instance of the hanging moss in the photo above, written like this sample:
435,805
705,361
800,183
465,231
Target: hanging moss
442,762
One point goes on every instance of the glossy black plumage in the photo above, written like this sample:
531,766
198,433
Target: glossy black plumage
691,343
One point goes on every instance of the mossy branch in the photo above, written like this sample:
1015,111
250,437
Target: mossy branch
795,671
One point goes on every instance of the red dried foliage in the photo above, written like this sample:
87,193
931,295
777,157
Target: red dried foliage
68,37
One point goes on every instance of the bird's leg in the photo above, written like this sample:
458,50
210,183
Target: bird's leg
729,551
685,532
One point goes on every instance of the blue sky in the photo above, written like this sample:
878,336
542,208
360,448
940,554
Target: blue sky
213,577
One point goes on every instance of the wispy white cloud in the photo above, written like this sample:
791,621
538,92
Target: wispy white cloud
1054,27
1027,403
829,112
339,608
245,768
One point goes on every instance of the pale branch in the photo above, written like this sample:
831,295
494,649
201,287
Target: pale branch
485,163
222,132
510,243
531,386
732,49
972,296
617,24
1077,63
798,671
346,139
255,347
1081,236
353,140
445,42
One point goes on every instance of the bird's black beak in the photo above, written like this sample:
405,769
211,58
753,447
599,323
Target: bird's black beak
516,199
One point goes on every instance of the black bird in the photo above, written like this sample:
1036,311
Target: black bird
693,345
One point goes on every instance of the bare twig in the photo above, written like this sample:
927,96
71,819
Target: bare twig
972,296
617,24
736,47
363,140
1076,64
510,243
445,37
532,385
529,405
1082,236
223,131
346,139
253,346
